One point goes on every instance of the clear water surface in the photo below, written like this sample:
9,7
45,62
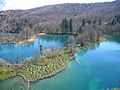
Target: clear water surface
15,53
94,68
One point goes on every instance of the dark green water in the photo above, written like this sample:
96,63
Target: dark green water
15,53
94,68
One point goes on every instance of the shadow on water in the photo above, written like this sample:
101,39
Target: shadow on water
61,38
115,39
85,50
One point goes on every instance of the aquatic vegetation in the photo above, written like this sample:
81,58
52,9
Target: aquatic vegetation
44,67
40,68
6,72
115,89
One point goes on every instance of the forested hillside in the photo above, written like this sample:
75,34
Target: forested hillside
62,18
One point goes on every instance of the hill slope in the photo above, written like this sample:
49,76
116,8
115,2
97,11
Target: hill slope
48,18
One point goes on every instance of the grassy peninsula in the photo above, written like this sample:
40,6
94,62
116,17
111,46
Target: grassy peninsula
32,70
41,67
44,67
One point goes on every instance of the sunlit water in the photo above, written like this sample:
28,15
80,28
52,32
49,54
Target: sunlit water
15,53
95,68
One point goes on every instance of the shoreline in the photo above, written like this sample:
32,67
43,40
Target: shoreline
64,62
60,60
45,77
53,74
32,39
50,67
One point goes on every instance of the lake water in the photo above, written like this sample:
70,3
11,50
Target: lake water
15,53
94,68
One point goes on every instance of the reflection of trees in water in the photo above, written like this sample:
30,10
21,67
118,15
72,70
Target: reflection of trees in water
17,58
14,53
61,38
114,38
87,49
6,46
84,50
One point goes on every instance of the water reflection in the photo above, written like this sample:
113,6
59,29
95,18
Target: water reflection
92,47
14,53
99,69
61,38
115,39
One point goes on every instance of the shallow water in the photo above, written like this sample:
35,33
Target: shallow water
94,68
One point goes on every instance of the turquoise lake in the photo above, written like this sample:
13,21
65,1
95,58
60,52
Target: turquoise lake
15,53
94,68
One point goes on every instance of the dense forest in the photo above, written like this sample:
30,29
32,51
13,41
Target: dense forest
87,21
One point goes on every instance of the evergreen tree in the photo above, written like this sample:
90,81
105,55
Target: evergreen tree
41,50
80,30
118,18
113,22
89,21
64,25
94,22
100,21
83,22
70,25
